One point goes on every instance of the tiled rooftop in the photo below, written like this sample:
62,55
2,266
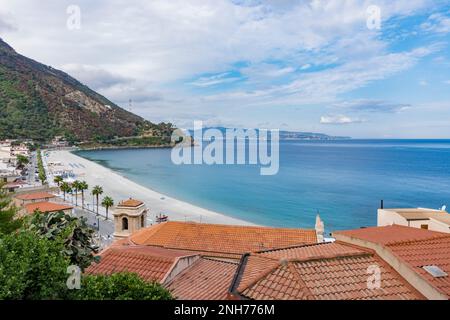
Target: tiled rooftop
216,240
46,207
207,279
426,253
35,196
130,203
391,234
415,247
150,263
321,271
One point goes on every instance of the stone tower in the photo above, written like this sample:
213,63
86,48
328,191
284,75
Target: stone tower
129,216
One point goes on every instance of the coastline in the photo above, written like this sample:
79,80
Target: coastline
123,147
120,188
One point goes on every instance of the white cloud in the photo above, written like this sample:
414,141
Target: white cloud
214,80
305,66
145,50
372,106
94,76
437,22
339,119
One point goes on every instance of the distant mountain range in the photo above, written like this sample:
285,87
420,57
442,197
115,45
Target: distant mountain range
39,102
286,135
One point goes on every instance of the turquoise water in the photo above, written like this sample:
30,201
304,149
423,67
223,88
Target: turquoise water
343,180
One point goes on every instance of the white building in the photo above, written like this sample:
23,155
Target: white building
430,219
21,149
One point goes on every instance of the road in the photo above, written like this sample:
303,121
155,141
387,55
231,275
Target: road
32,166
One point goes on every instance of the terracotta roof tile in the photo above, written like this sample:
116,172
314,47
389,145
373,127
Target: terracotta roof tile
150,263
130,203
391,234
220,239
426,253
207,279
35,196
321,271
415,247
46,207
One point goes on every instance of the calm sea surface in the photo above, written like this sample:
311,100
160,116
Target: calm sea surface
343,180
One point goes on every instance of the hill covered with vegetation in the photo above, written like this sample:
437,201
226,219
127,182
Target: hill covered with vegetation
39,102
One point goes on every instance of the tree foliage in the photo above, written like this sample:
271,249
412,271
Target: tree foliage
65,188
34,262
22,161
97,191
8,220
107,202
31,267
120,286
42,174
73,233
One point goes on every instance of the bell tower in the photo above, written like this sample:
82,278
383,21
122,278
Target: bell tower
129,216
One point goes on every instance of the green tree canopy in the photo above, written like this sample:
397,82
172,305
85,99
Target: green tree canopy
119,286
73,233
34,266
107,202
8,220
31,267
22,161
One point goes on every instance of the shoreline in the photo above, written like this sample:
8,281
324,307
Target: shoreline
121,188
122,147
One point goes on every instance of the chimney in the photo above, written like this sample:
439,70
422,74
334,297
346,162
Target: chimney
320,229
382,204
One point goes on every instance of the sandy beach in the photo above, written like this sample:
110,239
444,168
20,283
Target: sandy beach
121,188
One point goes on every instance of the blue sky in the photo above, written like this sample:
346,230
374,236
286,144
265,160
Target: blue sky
292,65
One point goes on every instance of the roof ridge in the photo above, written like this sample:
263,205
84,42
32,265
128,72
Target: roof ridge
141,254
261,276
238,275
388,266
332,256
197,250
129,250
218,260
292,247
410,241
238,226
297,275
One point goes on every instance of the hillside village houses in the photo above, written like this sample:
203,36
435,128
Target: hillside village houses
8,163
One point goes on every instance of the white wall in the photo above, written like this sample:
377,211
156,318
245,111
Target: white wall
388,218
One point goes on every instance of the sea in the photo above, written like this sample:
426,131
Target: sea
342,180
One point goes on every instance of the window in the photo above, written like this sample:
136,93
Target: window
142,221
124,224
424,226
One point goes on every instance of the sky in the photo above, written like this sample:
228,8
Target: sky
365,69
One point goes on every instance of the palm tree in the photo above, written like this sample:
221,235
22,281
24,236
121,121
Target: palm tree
83,186
65,188
22,161
76,186
96,192
58,180
107,203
